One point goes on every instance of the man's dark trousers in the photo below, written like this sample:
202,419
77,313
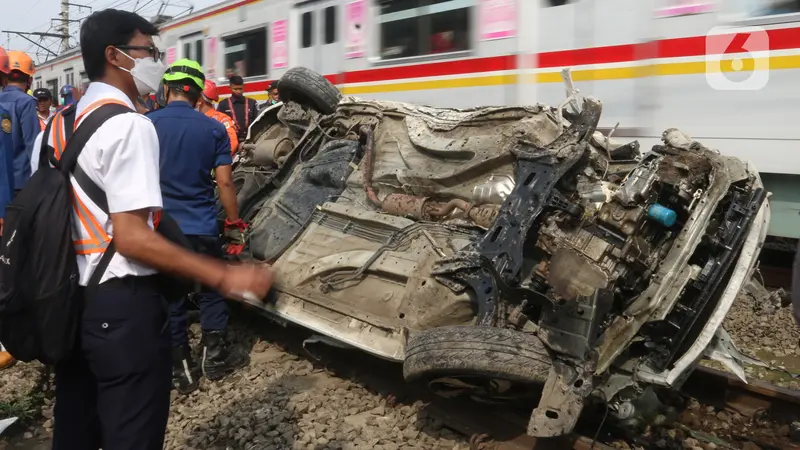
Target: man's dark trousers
213,309
114,393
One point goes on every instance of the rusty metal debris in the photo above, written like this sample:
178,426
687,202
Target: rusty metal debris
415,207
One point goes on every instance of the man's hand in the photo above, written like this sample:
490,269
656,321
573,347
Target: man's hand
2,223
234,234
246,282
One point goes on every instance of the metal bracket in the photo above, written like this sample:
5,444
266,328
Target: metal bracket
538,171
562,401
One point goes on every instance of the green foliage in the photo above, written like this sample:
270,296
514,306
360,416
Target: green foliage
25,408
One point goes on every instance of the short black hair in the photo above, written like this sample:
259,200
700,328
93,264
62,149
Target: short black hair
192,94
109,27
273,85
16,76
236,79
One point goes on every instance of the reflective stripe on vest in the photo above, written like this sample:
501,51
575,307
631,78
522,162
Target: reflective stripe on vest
98,239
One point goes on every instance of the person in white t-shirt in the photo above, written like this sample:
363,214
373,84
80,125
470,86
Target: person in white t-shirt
115,392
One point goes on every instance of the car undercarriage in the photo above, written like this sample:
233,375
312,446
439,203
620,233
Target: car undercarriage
494,250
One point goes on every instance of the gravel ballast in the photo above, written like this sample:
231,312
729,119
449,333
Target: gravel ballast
288,399
283,399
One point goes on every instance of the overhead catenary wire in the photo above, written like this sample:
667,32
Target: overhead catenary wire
142,7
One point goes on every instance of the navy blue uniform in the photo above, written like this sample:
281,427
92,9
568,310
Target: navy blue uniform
6,161
192,145
25,128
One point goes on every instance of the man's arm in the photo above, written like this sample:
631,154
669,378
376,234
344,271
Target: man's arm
232,136
29,121
224,175
5,182
134,239
131,183
227,192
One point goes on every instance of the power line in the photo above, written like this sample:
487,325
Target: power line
32,7
142,7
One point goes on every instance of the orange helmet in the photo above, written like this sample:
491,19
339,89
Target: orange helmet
210,92
3,61
20,61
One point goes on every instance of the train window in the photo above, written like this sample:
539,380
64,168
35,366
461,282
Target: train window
330,24
393,6
52,86
198,51
193,47
246,54
762,8
307,30
424,27
557,2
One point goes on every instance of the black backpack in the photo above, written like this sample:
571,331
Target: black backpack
40,299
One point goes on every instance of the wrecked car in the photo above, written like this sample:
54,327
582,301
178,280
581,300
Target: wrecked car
494,250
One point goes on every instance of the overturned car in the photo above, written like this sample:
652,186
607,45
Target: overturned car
496,249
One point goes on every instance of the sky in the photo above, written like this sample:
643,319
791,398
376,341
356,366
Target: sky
35,15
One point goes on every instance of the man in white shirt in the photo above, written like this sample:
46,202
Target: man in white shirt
114,392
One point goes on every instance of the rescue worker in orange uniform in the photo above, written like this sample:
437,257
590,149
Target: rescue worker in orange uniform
206,106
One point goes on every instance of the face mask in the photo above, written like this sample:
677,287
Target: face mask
147,73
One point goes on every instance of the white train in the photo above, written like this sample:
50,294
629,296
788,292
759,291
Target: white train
649,61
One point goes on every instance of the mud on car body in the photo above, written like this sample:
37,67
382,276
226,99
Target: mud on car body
496,249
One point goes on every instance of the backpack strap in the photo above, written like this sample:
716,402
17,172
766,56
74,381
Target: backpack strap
69,163
44,154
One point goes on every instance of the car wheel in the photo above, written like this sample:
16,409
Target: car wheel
308,88
492,365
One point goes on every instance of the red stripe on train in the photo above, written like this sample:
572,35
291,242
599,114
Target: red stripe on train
779,39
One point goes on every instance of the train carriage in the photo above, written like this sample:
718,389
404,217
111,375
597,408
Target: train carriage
645,59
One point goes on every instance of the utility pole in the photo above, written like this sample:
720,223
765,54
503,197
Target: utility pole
64,29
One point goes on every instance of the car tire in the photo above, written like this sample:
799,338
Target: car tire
308,88
473,351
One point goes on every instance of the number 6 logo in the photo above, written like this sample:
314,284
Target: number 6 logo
737,58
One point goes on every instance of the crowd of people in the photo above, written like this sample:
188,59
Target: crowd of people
166,155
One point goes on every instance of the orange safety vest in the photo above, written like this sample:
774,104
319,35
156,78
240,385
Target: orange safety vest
225,120
42,122
98,239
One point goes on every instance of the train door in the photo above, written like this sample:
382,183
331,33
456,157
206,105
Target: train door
615,71
52,86
319,42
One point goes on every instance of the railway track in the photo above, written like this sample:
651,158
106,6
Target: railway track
502,428
764,407
715,387
488,427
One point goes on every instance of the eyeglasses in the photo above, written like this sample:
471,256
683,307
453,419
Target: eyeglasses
150,49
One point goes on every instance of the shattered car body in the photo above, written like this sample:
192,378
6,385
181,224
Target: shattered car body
498,248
